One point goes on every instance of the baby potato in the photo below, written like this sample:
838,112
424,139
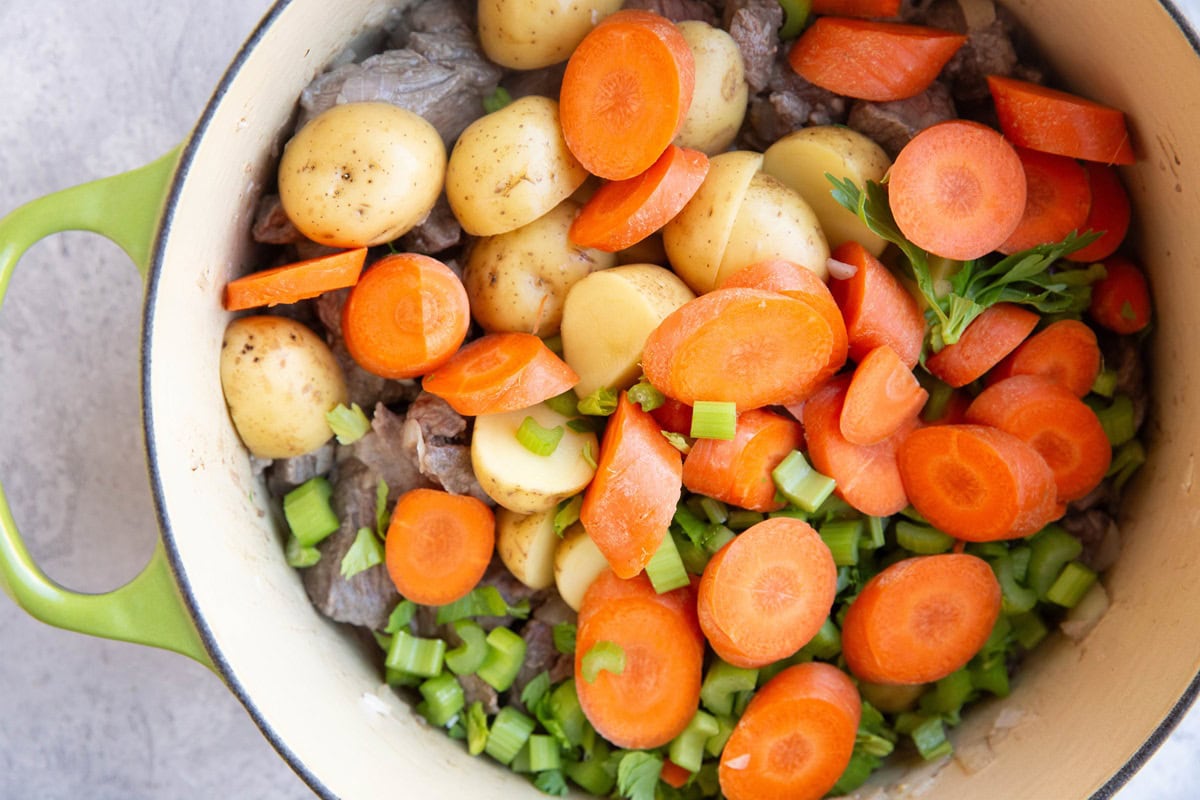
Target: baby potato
696,238
773,222
802,158
519,479
531,34
526,544
279,380
719,101
577,562
361,174
608,316
510,167
518,281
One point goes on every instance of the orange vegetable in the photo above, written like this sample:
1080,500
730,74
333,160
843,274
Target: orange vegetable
921,619
674,416
744,346
766,593
628,506
1110,212
622,213
976,482
957,189
500,372
856,8
1055,422
1058,198
986,341
438,545
1041,118
870,60
607,588
882,397
674,775
625,93
794,280
406,315
868,477
877,308
292,283
953,411
795,738
1121,299
738,471
1065,351
657,692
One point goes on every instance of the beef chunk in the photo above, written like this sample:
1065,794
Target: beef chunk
436,436
540,656
891,125
678,10
385,451
544,82
476,689
438,232
754,25
271,224
788,102
367,598
1100,536
285,474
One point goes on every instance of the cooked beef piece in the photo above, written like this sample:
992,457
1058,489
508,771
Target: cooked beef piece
540,656
787,103
286,474
434,16
436,435
384,450
512,590
543,82
554,611
368,597
754,25
892,124
437,232
1100,536
271,225
475,689
678,10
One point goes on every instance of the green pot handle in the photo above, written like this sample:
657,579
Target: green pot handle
149,609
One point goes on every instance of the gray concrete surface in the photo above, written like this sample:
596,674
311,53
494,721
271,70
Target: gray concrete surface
89,88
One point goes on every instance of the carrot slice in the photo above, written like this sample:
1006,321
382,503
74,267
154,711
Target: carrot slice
1110,212
766,593
500,372
976,482
1065,351
745,346
438,545
1041,118
953,411
628,506
877,308
674,775
794,280
868,477
292,283
607,588
1121,299
1058,198
625,93
921,619
957,189
1064,430
406,315
856,8
622,213
871,60
795,738
674,416
656,693
882,397
738,471
986,341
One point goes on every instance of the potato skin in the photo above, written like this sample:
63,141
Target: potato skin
510,167
279,380
531,34
361,174
518,281
526,544
719,102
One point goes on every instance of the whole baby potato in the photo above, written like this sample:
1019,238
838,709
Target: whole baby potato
773,221
518,281
510,167
279,380
719,101
531,34
361,174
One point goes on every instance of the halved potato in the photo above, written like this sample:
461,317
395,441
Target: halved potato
773,222
577,562
526,544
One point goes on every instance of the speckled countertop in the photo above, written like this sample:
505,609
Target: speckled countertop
89,88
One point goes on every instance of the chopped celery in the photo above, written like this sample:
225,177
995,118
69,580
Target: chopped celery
646,395
603,656
300,556
1051,549
665,568
563,705
1029,629
348,424
1071,585
948,694
565,404
722,682
827,643
544,753
922,539
477,728
930,739
687,749
1117,419
716,511
567,513
468,657
802,485
740,518
842,538
505,654
415,655
444,698
600,403
510,731
714,419
308,512
539,440
366,552
1017,599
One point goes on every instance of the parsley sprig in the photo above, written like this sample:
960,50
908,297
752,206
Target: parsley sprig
1024,277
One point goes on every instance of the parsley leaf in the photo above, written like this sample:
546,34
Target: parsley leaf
552,782
365,553
637,775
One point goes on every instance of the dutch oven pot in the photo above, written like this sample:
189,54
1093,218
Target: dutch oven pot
217,588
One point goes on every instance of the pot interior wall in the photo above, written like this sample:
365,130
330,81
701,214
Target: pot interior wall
316,690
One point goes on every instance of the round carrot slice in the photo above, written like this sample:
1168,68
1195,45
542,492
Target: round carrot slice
921,619
438,545
795,738
1065,351
987,340
766,593
738,471
1057,200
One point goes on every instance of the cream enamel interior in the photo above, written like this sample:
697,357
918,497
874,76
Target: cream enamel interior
1086,710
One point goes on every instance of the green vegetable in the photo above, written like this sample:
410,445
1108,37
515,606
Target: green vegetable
564,638
477,728
802,485
308,511
687,749
566,404
637,775
348,424
505,654
415,655
496,100
510,731
1071,585
300,556
567,513
646,395
842,538
366,552
714,419
600,403
665,568
468,657
603,655
443,699
722,682
795,15
538,440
